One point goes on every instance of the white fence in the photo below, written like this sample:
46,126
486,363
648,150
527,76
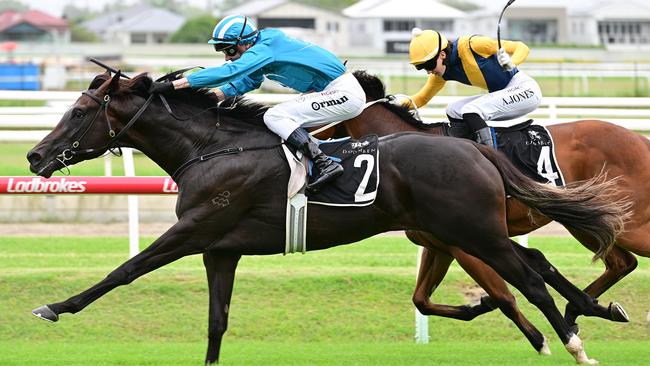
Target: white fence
33,123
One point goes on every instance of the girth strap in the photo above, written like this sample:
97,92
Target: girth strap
229,151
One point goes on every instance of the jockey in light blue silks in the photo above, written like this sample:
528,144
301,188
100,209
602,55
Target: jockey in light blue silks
331,94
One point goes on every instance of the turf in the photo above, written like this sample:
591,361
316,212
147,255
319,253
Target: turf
344,306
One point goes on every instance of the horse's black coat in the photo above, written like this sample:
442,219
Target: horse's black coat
427,183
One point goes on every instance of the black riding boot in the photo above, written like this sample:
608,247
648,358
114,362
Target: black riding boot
483,133
328,169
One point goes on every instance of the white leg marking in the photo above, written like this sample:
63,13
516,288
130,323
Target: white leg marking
574,346
545,350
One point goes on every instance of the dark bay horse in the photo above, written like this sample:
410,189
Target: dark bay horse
583,148
232,177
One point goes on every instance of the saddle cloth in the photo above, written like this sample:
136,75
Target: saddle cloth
356,187
530,148
360,180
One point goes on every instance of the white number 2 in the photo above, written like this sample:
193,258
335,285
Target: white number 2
544,167
359,196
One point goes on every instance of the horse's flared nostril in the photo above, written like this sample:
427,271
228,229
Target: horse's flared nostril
33,157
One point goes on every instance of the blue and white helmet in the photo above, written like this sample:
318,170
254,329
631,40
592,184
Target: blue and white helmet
233,30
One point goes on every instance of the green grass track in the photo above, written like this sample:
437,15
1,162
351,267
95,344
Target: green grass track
344,306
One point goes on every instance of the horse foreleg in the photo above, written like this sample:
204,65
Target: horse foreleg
433,268
220,269
184,238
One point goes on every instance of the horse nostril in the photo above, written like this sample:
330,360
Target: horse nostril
33,157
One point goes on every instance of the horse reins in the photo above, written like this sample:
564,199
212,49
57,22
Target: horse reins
69,153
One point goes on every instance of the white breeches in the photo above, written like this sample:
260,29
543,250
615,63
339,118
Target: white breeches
342,99
520,97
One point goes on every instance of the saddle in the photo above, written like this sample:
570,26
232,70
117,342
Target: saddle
529,146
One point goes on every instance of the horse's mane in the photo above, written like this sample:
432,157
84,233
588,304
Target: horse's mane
240,108
376,90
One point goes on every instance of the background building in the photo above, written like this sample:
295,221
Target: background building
32,26
325,27
141,24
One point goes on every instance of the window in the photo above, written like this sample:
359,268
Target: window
398,25
333,27
308,23
631,32
443,26
139,38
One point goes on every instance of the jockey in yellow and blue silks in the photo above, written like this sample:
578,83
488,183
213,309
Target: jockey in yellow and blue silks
477,61
251,55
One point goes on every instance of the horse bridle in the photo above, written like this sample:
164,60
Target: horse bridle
70,153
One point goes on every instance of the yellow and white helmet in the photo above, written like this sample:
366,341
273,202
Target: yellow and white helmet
425,45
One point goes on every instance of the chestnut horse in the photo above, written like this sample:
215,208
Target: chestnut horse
583,149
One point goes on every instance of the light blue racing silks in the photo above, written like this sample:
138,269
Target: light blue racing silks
296,64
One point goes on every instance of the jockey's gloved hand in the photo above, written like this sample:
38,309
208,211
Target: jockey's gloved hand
400,100
504,59
164,87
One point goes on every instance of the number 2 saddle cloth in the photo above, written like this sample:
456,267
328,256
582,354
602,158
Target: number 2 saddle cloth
358,184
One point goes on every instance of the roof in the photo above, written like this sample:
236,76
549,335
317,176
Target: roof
141,18
633,9
420,9
253,8
36,18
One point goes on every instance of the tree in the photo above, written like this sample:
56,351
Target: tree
80,34
13,5
195,30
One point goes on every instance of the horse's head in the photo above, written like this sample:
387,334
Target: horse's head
90,127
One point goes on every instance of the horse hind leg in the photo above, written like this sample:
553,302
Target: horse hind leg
501,297
433,268
619,262
501,256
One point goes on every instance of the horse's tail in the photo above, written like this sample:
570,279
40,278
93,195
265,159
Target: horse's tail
592,206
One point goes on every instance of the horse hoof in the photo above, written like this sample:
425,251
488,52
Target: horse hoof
45,313
618,313
545,350
574,328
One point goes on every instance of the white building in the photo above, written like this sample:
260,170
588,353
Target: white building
137,25
385,26
313,24
580,22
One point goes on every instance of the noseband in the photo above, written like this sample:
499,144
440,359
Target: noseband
71,152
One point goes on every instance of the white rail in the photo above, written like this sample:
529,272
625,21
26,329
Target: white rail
33,123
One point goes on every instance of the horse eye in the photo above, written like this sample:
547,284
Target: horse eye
78,114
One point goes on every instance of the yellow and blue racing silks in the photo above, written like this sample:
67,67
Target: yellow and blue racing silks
473,61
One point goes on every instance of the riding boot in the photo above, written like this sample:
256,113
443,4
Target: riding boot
328,169
458,128
482,133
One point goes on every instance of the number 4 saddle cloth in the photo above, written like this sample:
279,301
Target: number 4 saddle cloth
360,180
530,148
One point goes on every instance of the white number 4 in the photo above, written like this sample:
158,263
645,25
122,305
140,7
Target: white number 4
544,167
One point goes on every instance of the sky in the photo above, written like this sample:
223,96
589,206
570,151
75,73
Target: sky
55,7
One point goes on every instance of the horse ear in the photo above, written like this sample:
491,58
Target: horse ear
99,80
115,82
